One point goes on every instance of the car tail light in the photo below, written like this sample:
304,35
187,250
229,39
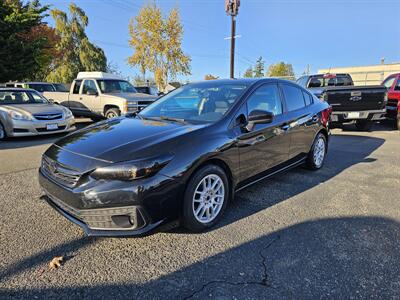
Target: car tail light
326,113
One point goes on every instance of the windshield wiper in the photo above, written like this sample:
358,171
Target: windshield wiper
173,119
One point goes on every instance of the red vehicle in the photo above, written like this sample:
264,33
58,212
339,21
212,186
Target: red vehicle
393,105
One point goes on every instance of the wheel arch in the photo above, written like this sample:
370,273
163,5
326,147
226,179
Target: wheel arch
109,106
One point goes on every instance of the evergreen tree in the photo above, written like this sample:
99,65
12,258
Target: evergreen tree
259,67
25,40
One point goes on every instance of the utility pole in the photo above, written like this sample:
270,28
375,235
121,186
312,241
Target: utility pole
232,9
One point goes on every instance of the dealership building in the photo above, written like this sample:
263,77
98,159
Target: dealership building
366,75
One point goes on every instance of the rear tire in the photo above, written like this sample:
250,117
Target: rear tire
112,113
205,198
3,133
363,125
316,156
397,123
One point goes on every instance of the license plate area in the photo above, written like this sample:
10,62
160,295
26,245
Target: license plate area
353,115
51,126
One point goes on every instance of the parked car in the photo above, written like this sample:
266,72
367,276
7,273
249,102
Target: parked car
25,112
39,86
392,83
361,105
149,90
100,95
184,156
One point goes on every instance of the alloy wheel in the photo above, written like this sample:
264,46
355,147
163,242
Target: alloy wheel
319,152
208,198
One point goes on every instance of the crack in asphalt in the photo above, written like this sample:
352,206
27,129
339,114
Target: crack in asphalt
264,282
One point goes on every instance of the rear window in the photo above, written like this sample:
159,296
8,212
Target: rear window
327,80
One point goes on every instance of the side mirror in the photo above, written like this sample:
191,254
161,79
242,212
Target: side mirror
160,94
258,116
92,93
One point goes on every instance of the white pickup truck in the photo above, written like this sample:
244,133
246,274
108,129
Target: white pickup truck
97,95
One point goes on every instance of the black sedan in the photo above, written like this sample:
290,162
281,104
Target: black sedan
184,156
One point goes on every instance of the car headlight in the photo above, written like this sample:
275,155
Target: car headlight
19,116
132,170
68,114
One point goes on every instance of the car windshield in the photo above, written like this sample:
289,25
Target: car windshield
108,86
205,102
21,97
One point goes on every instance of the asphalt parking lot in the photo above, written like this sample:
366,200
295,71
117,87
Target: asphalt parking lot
334,233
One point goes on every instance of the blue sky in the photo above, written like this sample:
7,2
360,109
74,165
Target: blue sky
321,33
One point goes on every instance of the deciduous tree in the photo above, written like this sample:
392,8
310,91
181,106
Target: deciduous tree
157,44
281,69
248,73
78,53
210,77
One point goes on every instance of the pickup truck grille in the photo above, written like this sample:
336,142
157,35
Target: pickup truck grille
48,117
58,173
140,105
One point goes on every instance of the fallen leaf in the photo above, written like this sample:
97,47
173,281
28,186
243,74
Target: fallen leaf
56,262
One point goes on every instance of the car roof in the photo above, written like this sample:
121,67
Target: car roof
248,81
12,89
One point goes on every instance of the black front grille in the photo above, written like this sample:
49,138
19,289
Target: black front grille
48,117
58,173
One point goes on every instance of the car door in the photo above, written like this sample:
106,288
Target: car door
74,102
302,120
263,146
90,96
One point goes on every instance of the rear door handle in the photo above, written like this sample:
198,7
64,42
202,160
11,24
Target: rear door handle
80,98
315,118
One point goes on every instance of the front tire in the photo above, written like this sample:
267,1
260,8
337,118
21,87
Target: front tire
205,198
317,154
3,133
363,125
112,113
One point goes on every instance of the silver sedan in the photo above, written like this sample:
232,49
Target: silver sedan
24,112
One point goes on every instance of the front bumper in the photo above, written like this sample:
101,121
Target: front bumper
114,208
351,116
19,128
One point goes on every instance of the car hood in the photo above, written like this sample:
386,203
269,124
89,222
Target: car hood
132,96
36,108
123,139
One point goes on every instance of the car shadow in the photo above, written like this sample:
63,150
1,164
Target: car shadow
31,141
344,257
344,152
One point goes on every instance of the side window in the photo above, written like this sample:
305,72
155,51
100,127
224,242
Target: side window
265,98
308,99
89,86
293,96
77,86
389,82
